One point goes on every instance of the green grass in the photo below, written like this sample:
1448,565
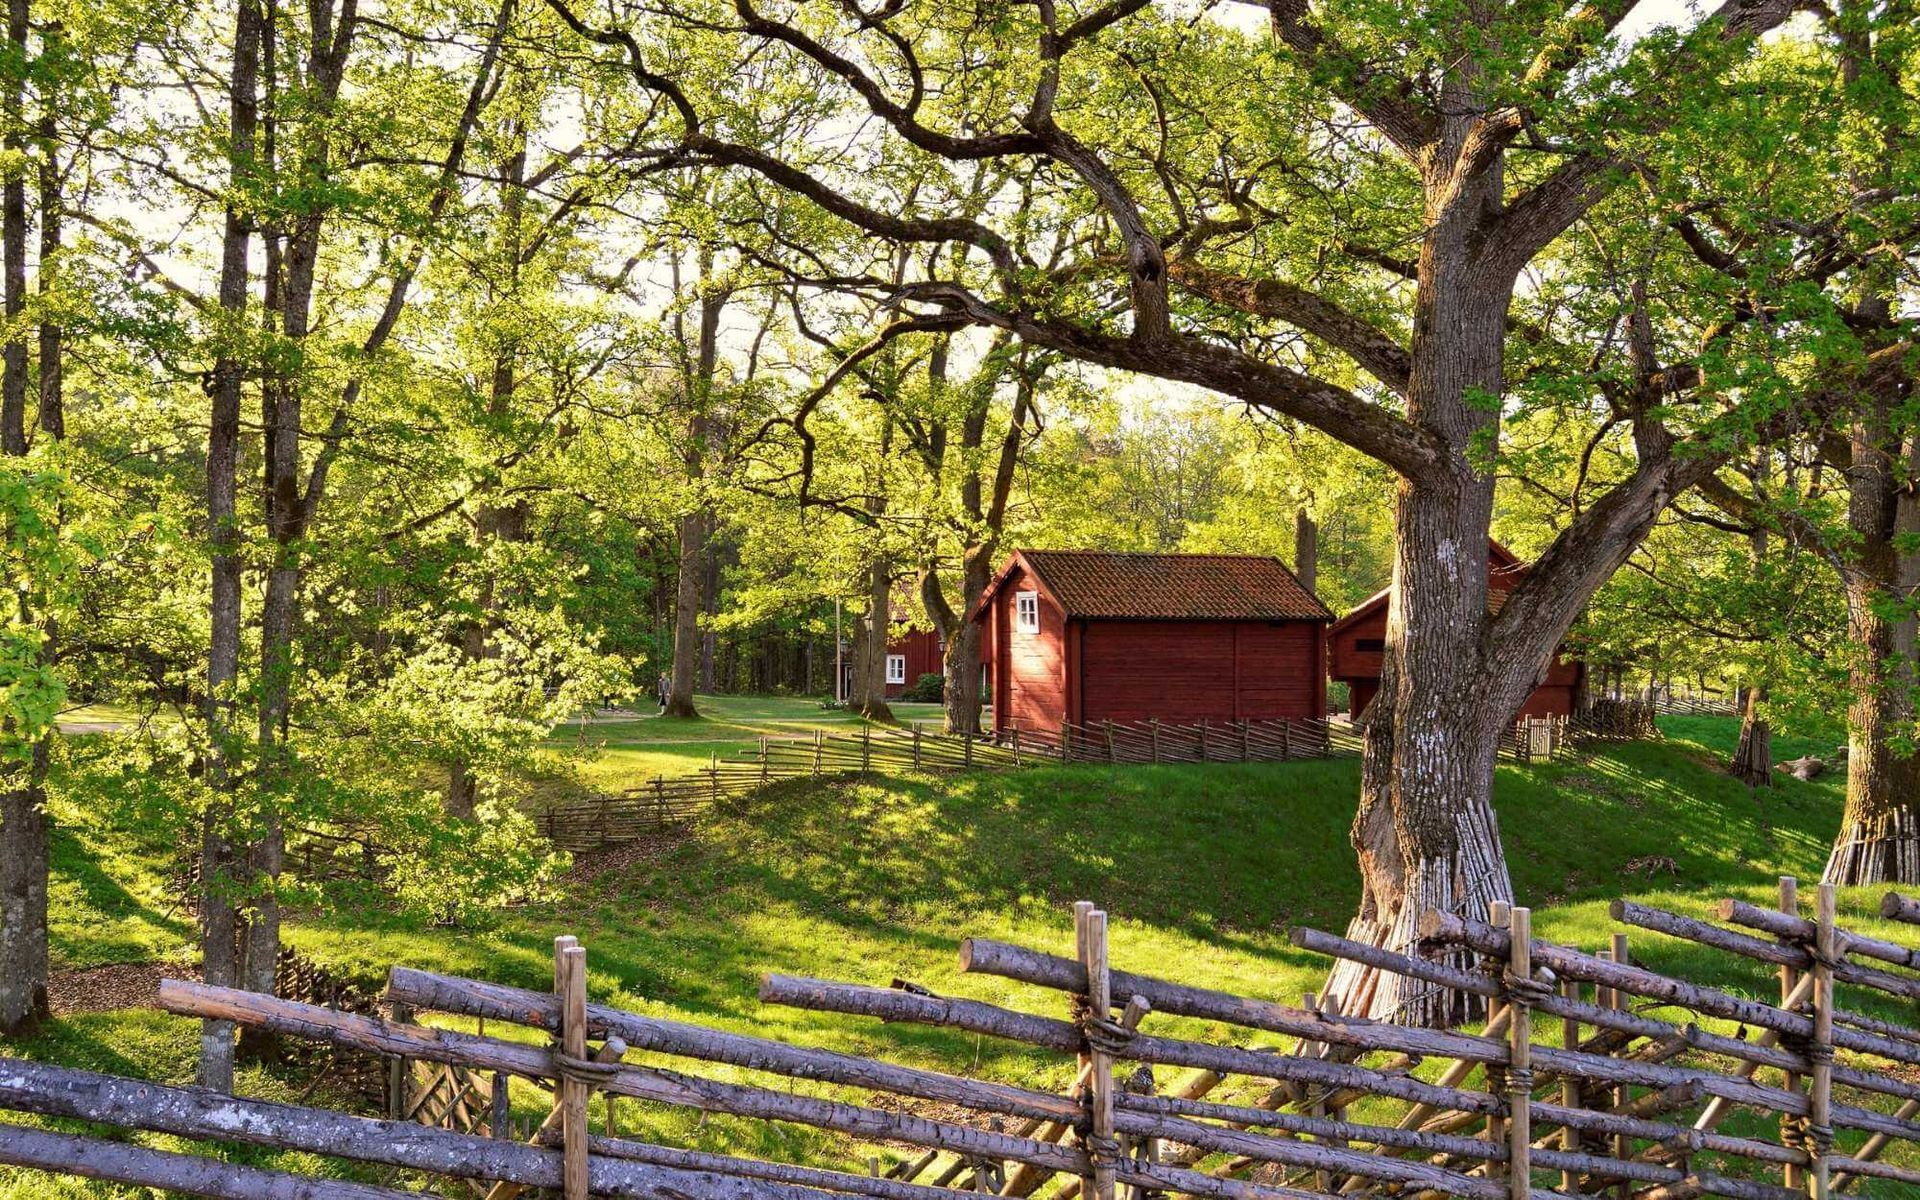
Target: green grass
626,753
1202,868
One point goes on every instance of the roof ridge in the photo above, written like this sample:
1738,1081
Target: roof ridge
1157,554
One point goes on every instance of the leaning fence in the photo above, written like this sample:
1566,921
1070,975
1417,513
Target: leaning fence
1592,1073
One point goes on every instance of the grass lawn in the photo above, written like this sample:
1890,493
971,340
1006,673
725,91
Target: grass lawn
626,753
1202,869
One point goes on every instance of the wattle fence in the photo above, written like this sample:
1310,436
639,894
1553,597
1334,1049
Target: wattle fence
1592,1074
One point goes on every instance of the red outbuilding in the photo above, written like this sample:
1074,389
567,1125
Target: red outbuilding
1084,636
1356,642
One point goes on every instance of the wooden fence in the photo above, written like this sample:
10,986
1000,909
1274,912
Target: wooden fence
664,801
1593,1074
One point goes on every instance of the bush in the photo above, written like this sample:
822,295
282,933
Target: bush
930,688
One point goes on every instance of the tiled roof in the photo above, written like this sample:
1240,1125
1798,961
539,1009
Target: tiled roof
1180,587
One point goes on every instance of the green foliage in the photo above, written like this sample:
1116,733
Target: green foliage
927,689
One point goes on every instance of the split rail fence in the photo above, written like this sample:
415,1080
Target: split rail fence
1592,1074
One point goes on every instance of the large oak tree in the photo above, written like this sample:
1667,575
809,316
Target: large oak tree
1324,212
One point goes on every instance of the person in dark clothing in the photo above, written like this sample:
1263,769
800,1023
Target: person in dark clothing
664,689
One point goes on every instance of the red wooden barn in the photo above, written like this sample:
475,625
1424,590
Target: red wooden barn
1356,642
1082,636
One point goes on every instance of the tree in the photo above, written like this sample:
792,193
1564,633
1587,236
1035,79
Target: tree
1482,156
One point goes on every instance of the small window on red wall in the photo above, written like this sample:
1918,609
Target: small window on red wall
1026,612
1370,645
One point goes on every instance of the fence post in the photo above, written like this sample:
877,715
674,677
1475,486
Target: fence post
763,758
1016,745
1520,1057
916,745
1156,739
866,748
1789,895
399,1071
570,982
660,800
502,1108
1286,739
1570,1096
1622,1094
1826,951
1243,741
1102,1148
819,743
1109,725
966,740
1066,742
1203,741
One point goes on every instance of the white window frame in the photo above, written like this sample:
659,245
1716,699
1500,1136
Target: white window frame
1026,612
896,668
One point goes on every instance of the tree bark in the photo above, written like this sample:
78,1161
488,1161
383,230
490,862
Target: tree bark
687,606
1879,838
1306,549
24,824
690,648
1753,757
218,917
878,630
1425,831
495,522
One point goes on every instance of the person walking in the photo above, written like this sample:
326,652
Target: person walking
662,690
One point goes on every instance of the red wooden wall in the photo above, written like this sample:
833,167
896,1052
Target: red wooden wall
921,648
1189,671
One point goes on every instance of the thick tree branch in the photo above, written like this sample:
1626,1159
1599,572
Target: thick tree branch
1376,352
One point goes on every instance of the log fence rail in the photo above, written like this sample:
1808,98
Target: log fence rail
1592,1074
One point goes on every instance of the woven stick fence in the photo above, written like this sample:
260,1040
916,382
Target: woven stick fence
1175,1089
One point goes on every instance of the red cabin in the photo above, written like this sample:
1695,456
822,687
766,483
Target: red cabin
1356,642
1083,636
911,654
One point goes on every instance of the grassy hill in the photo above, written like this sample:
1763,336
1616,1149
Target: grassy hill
1202,869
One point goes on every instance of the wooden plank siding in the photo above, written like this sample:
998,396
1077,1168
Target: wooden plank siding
1187,671
1029,669
921,649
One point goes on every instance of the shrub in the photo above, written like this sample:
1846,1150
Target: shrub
930,688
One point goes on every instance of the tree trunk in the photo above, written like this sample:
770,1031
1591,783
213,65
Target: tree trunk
879,630
960,665
1753,757
218,919
1306,549
24,836
1879,838
23,892
687,606
1425,831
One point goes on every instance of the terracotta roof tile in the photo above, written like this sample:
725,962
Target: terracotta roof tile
1179,587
